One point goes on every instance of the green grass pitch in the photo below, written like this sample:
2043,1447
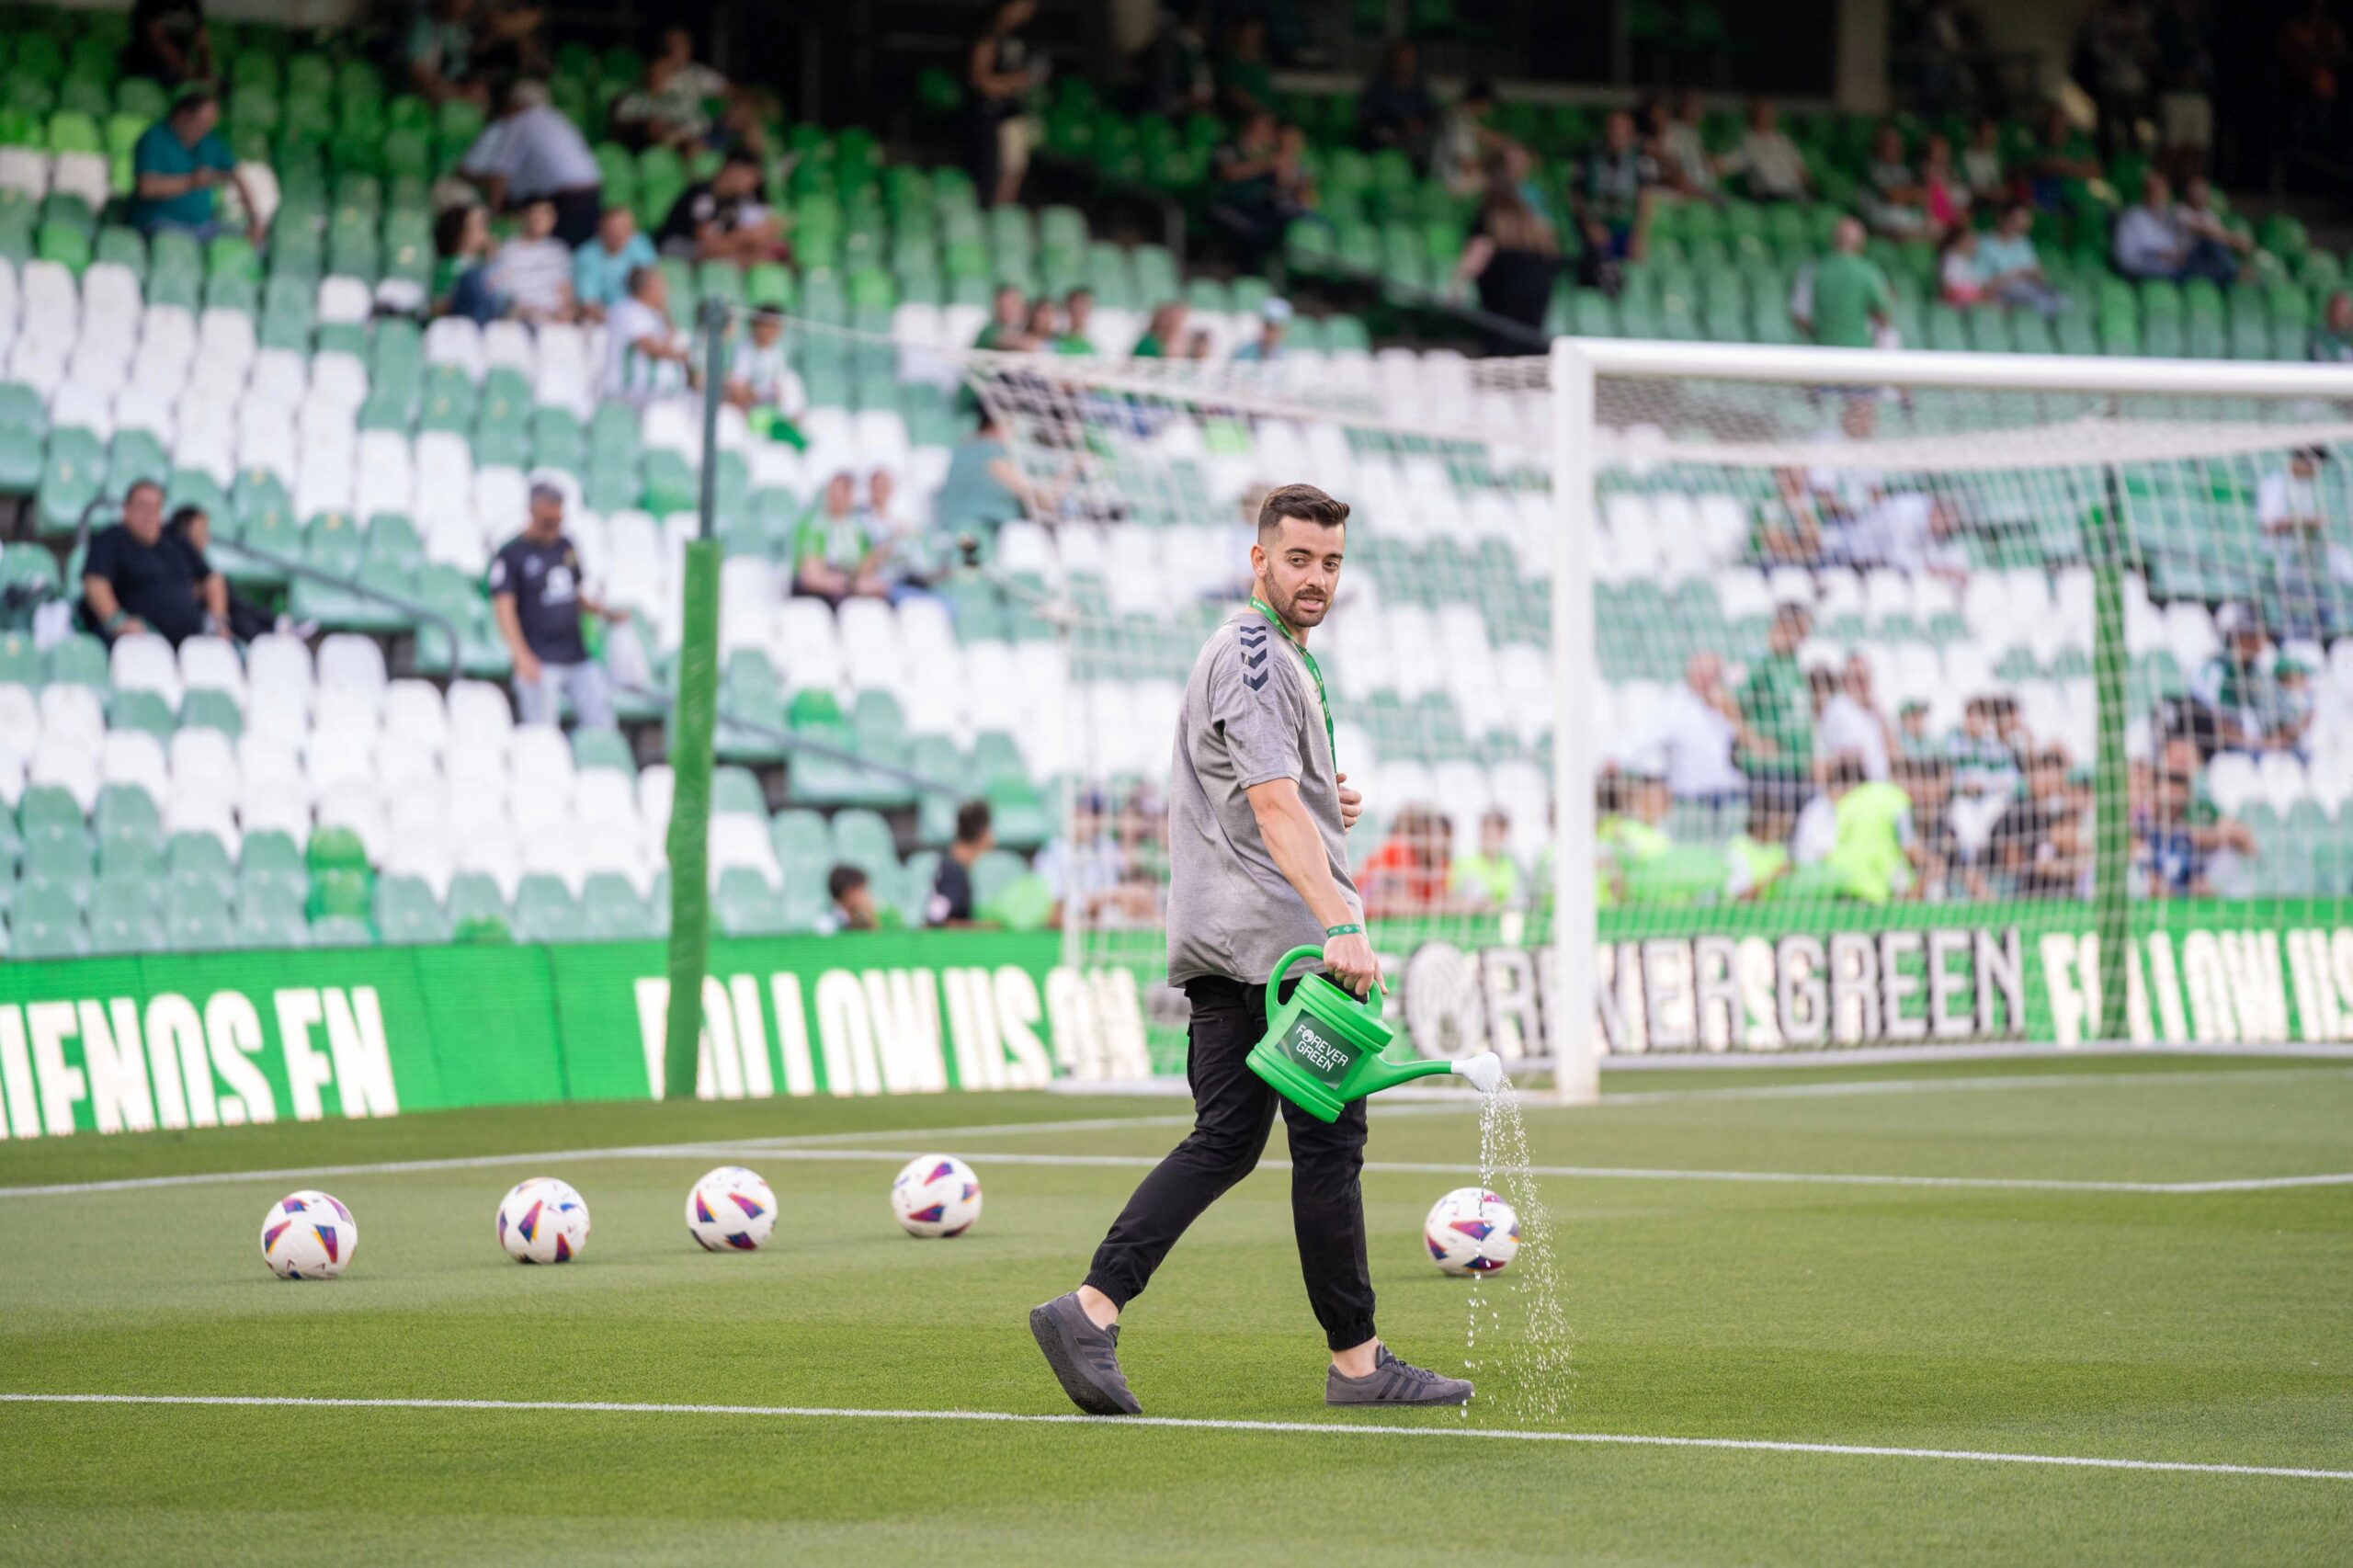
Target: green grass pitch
2092,1308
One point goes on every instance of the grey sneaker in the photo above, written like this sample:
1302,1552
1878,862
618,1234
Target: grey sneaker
1085,1358
1393,1382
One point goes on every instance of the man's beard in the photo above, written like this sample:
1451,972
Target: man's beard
1289,608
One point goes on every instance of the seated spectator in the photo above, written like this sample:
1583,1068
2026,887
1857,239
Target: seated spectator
235,616
1409,872
1787,530
1981,164
2180,834
2305,560
1851,723
2063,157
1678,147
723,218
1927,780
178,164
1274,319
1984,773
1512,257
999,76
646,356
463,282
1912,736
1959,282
1611,196
2292,718
1874,851
137,577
1396,109
952,890
1769,165
439,52
984,486
1250,201
1945,195
1200,347
169,42
1078,315
1758,855
671,106
1893,200
1634,805
533,271
2195,212
1776,724
600,269
538,594
834,556
2009,269
1042,327
2332,341
1844,301
1692,733
1489,877
1464,140
1178,76
1006,331
908,553
1914,531
763,383
1164,334
531,153
1245,83
851,907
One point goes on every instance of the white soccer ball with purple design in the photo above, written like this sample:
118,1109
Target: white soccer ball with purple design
936,1195
542,1221
307,1236
731,1209
1471,1231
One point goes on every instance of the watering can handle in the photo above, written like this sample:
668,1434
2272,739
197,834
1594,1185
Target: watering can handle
1370,1003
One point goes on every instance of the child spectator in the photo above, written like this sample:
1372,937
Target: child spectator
763,383
850,894
1957,271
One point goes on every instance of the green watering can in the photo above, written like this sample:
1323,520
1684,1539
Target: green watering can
1324,1047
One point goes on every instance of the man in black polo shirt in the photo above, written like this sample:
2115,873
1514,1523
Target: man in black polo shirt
952,890
139,578
536,593
723,218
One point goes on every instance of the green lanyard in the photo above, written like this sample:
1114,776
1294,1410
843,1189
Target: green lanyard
1313,669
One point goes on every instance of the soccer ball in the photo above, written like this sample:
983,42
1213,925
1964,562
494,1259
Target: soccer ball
307,1236
1471,1230
542,1221
731,1208
936,1195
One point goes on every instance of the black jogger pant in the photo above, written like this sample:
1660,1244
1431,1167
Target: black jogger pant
1233,1109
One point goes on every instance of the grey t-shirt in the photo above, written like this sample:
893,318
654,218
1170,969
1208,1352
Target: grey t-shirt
1250,715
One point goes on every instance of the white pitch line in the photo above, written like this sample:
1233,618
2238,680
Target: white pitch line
1958,1085
1195,1424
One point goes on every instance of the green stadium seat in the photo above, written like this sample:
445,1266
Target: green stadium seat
611,911
407,913
545,911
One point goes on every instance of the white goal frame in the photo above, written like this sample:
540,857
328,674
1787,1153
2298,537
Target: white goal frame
1577,363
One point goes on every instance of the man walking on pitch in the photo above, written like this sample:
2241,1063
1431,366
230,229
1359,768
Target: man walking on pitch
1257,812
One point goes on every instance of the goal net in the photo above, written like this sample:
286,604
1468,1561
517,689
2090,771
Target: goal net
1713,701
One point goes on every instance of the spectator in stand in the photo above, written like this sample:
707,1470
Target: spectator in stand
2305,560
439,52
672,107
538,595
463,282
2332,341
1464,140
1844,301
1008,313
2181,834
2063,157
1984,776
1851,723
2291,721
1693,733
1164,334
1776,750
1612,195
763,383
1512,257
1787,530
1084,870
1917,532
1200,347
237,616
1874,851
1632,806
1759,854
178,164
1244,82
951,890
2233,697
1912,736
2153,242
600,269
2184,50
531,153
1396,109
1179,76
137,577
1489,879
1078,316
907,553
2313,56
998,79
1893,199
1251,200
851,907
2198,219
1409,872
533,271
1945,195
1770,164
1981,164
1678,147
1958,281
834,556
2008,267
646,356
984,487
723,218
169,42
1274,319
1042,327
1926,782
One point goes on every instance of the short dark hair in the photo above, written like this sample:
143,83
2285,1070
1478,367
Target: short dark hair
971,821
742,158
183,518
192,100
843,880
1304,501
139,484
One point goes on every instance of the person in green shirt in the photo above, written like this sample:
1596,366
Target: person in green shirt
1875,847
1078,309
1633,806
1759,853
1777,709
1004,330
176,166
853,908
1490,879
1846,300
1163,336
983,487
834,557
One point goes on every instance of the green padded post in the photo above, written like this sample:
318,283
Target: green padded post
2112,843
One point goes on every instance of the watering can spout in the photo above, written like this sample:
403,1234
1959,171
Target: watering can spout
1486,1071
